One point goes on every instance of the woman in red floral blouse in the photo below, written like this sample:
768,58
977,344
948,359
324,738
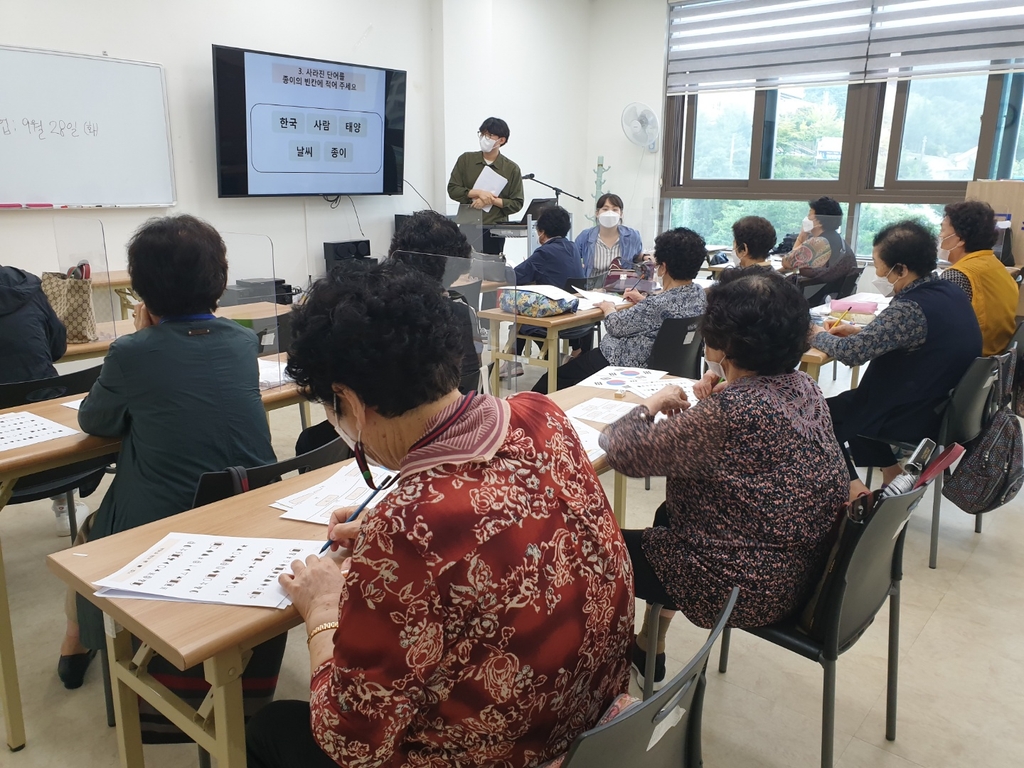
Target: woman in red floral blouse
485,613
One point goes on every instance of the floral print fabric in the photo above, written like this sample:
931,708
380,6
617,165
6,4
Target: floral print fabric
489,610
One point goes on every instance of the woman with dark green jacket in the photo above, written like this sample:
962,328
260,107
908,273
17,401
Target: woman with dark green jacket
182,393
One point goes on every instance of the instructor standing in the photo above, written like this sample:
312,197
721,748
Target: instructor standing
462,184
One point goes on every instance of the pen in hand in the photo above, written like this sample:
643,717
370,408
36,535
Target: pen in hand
358,511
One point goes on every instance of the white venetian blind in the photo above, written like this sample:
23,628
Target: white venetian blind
740,44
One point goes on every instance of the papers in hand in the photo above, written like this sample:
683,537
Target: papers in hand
19,429
617,377
600,410
345,488
195,568
272,374
491,181
647,388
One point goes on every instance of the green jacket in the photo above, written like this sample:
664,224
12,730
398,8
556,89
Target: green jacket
467,170
182,405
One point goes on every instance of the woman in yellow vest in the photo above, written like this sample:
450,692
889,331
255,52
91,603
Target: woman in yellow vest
966,237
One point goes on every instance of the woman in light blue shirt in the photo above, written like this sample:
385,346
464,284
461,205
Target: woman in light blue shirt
609,241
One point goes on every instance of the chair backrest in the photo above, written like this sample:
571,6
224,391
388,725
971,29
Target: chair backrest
868,560
677,347
656,733
214,486
969,405
23,392
816,291
849,285
470,292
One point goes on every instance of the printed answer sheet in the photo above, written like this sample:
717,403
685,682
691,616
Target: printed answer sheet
589,437
345,488
600,410
227,570
647,388
20,429
616,377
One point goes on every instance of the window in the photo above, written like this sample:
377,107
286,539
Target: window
712,219
942,127
1008,157
724,123
875,216
808,141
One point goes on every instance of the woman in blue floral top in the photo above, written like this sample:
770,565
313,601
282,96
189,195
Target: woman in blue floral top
629,333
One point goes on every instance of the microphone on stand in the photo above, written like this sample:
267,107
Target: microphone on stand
528,176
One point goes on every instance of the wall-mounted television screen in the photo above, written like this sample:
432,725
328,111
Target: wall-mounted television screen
288,125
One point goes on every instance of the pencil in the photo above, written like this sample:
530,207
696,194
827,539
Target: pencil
356,514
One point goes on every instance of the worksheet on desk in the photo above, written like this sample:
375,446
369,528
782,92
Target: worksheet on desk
227,570
618,377
589,437
272,374
645,389
345,488
20,429
600,410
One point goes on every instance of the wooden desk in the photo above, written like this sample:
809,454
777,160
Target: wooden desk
552,326
51,454
573,396
490,286
120,283
217,636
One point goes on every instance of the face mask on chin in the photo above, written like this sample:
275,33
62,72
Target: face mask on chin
608,219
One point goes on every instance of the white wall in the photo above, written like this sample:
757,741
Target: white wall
558,72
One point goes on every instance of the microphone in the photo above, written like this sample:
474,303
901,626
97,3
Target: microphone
528,176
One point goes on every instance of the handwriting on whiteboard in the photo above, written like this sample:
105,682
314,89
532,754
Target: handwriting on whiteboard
43,129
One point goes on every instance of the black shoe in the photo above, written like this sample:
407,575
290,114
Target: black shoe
640,664
71,669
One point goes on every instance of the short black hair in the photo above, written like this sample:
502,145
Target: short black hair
554,221
178,265
909,243
426,240
496,127
975,224
382,330
682,251
608,197
759,320
828,212
756,234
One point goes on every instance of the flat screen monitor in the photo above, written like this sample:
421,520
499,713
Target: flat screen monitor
288,125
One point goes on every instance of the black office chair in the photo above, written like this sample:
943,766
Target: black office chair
62,480
816,291
662,731
864,569
967,411
849,284
214,486
677,347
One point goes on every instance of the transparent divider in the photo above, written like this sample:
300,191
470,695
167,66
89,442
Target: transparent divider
256,299
82,250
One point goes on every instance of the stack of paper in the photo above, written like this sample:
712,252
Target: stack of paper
19,429
227,570
272,374
345,488
616,377
491,181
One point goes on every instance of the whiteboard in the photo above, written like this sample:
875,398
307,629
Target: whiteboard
82,130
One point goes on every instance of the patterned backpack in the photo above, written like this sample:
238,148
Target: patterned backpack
992,471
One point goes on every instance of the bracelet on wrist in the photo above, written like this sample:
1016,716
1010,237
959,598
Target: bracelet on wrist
320,628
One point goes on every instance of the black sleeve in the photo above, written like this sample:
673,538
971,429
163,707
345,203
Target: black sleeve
56,333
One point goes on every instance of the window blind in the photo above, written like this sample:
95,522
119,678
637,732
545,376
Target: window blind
742,44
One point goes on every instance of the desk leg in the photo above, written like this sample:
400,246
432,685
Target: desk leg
10,692
495,343
224,673
126,702
619,499
305,417
855,377
811,369
553,355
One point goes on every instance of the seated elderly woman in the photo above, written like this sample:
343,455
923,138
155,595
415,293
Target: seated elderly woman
919,348
182,393
754,473
630,333
432,644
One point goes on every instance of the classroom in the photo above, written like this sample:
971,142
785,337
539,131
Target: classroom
578,327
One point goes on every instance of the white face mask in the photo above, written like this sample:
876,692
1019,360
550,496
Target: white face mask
715,367
882,284
487,143
608,218
807,225
943,252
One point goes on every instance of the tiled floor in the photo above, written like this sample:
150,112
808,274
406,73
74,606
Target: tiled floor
961,697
